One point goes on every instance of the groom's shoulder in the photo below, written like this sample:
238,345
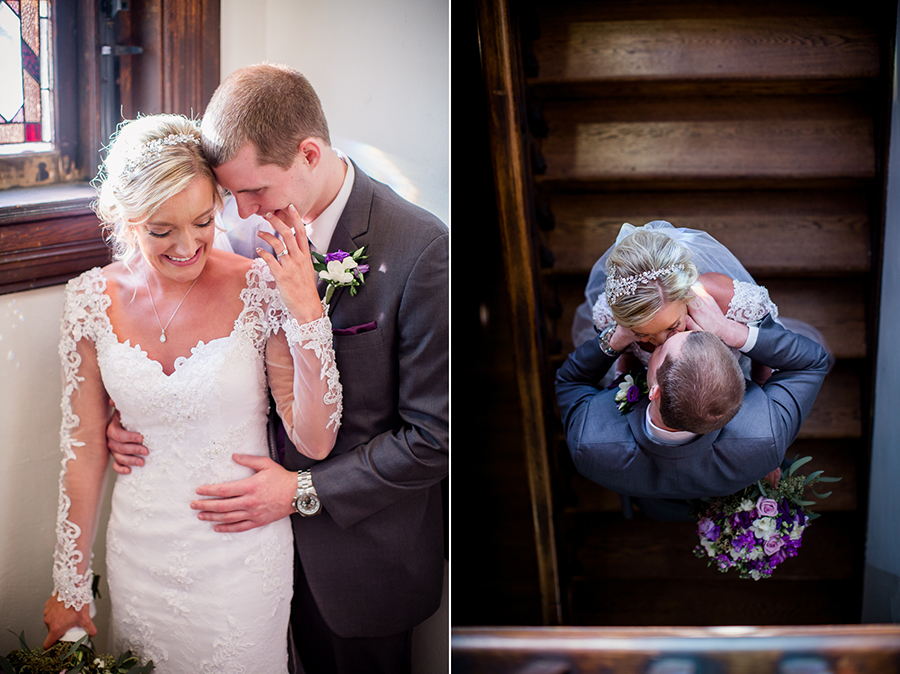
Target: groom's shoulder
402,217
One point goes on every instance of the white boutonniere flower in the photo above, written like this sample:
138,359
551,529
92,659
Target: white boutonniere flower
341,269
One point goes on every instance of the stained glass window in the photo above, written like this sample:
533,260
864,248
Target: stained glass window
26,113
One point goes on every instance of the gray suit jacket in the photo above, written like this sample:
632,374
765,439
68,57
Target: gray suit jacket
615,451
374,557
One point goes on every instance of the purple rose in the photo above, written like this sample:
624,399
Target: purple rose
767,507
338,255
708,529
773,545
634,394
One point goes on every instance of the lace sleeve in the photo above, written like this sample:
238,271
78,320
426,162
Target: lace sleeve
85,407
602,314
750,303
302,373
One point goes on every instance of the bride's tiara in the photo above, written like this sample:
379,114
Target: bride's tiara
151,150
620,287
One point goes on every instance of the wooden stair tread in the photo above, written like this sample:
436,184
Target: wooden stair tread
609,546
722,602
771,233
836,412
774,138
584,46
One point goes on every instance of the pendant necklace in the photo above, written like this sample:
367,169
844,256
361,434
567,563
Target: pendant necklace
162,337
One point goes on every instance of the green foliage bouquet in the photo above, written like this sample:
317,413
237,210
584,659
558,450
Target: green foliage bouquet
65,657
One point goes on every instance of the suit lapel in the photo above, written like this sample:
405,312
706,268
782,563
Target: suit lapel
353,225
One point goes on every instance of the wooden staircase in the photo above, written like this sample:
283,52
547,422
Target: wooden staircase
761,124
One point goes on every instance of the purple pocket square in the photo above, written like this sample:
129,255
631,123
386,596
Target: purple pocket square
356,329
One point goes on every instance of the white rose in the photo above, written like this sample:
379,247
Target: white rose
764,527
339,271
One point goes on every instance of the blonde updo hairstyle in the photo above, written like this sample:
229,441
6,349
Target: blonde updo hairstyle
135,179
643,252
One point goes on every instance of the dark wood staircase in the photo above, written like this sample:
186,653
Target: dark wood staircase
761,124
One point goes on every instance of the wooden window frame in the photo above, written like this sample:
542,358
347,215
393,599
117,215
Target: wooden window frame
49,234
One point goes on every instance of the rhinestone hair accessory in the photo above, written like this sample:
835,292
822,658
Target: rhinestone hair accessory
151,150
617,288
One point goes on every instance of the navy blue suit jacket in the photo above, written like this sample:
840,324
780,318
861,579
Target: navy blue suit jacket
615,451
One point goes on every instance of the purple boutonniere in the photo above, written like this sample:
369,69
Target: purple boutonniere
631,387
340,269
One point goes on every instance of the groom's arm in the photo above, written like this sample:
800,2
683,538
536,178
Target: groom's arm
801,365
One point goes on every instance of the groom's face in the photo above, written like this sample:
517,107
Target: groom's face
671,347
265,188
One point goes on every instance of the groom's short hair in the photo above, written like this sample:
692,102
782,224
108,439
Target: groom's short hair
703,388
270,105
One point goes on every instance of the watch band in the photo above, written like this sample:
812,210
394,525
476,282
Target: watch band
306,502
603,340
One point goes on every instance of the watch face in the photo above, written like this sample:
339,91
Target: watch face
308,504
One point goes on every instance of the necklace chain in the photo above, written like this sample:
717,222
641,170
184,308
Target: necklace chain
162,337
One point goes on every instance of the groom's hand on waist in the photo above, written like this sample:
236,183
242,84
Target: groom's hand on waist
125,446
252,502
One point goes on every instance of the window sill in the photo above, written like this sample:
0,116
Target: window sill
48,234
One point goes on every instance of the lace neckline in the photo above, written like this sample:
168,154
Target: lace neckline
179,361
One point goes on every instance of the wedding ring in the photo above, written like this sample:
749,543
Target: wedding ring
282,253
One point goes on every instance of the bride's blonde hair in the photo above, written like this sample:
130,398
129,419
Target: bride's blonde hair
646,271
150,159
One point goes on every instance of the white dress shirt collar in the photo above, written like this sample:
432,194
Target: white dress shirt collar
322,228
664,436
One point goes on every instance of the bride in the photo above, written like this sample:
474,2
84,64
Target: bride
187,340
640,312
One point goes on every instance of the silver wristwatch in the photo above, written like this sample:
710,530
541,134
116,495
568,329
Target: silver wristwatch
306,502
604,341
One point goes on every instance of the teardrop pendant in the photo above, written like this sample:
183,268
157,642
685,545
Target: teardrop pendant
162,337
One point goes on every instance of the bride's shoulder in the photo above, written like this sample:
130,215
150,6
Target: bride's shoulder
720,286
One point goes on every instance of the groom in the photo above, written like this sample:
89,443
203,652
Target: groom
367,520
701,430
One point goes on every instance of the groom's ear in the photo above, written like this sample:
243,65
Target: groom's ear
654,392
310,151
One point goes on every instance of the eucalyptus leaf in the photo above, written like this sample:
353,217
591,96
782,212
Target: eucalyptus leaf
812,476
818,495
798,463
6,665
830,479
806,503
761,488
75,647
22,641
813,516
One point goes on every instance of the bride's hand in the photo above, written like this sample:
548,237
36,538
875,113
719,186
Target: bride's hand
293,271
705,314
60,620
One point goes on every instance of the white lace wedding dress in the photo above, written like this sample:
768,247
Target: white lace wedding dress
190,599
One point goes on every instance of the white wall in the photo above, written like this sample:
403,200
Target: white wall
381,69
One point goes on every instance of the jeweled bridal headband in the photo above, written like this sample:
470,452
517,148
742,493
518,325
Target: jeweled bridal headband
151,150
620,287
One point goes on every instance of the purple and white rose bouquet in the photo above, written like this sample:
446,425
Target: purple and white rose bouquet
756,529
